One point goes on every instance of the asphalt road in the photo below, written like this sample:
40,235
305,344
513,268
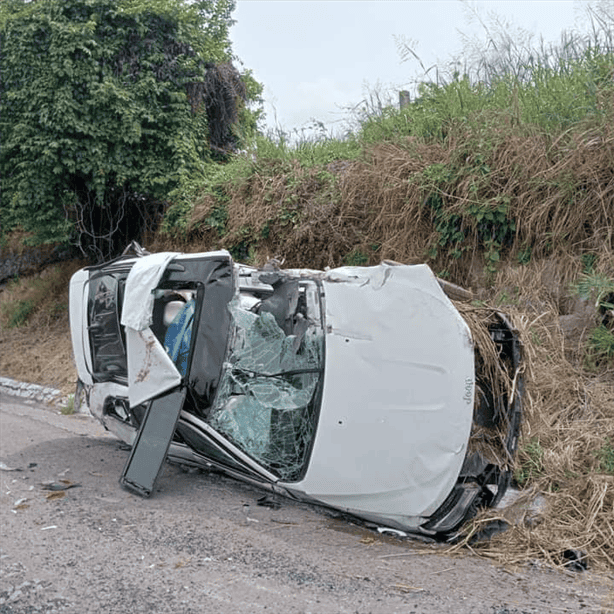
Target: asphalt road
202,543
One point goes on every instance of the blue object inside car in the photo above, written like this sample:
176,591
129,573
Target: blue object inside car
179,336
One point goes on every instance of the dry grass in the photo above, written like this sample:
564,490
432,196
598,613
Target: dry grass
39,351
558,193
568,413
568,420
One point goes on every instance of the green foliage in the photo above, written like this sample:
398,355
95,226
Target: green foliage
599,289
244,250
605,456
69,408
595,286
530,462
17,313
551,88
218,217
308,153
356,258
599,347
102,117
488,220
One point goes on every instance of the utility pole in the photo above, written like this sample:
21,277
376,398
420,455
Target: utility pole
404,99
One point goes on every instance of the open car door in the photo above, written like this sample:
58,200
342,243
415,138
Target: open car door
152,442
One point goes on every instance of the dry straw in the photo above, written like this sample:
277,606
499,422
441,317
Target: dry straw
568,420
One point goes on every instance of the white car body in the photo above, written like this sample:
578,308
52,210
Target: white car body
377,381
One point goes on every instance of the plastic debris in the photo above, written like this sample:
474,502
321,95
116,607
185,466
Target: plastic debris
61,485
5,467
389,531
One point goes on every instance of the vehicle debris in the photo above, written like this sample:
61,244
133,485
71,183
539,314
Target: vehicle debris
5,467
364,389
61,485
575,560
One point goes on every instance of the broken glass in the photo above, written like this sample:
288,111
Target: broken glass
266,399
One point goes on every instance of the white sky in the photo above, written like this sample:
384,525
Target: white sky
317,57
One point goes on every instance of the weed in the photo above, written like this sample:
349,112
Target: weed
508,297
599,347
524,255
530,462
596,287
605,456
69,408
536,338
600,289
218,217
244,249
289,214
308,150
17,312
356,258
588,262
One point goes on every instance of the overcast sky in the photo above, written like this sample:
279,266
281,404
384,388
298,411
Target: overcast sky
317,57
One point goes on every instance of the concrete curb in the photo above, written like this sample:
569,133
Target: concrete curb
34,392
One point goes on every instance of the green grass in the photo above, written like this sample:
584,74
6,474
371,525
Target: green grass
356,258
605,455
16,313
599,347
69,408
597,288
530,467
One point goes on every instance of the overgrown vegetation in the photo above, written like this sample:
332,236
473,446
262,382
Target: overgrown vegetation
35,338
510,159
69,407
110,111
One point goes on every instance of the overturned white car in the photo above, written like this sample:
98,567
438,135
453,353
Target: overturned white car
354,388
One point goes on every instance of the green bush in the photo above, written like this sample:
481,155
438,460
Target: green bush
111,108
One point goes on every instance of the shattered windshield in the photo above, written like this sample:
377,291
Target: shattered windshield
267,398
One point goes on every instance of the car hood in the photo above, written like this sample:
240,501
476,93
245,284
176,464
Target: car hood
397,401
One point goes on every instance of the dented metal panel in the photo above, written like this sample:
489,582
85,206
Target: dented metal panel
353,387
142,280
397,403
151,371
